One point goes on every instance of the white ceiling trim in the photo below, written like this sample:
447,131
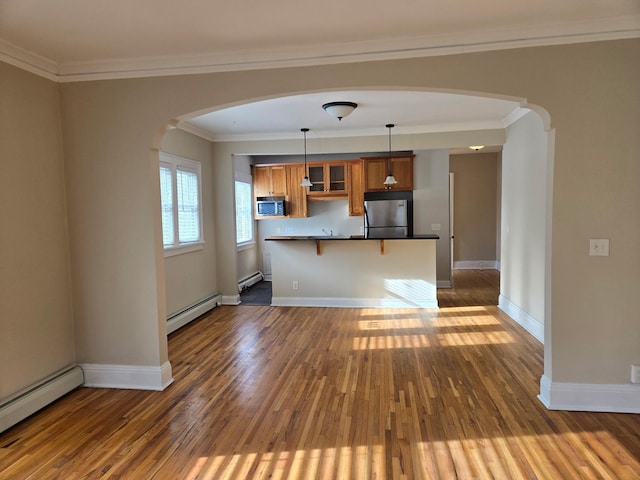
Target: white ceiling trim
21,58
431,45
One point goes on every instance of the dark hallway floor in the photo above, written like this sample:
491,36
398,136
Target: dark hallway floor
258,294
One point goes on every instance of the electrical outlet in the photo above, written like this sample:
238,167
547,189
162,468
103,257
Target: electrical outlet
436,226
295,285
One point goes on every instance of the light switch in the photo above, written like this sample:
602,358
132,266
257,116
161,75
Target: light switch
598,247
435,226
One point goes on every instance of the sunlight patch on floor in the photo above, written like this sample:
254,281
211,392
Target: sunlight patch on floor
475,321
389,342
474,338
391,324
491,457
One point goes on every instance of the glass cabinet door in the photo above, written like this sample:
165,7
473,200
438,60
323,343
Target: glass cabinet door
337,181
316,176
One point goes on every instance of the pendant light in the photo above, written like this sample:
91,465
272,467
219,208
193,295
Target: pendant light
390,180
305,181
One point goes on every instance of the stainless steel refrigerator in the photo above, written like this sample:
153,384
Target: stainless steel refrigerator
388,215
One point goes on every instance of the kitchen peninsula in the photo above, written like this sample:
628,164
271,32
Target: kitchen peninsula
328,271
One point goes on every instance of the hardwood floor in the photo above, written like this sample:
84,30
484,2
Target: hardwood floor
304,393
471,287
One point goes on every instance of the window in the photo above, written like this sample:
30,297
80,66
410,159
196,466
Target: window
180,195
244,213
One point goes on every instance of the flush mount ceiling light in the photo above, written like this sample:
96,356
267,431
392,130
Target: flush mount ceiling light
475,148
339,109
305,181
390,180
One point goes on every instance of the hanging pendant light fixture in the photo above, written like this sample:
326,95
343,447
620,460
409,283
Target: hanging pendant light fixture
305,181
390,180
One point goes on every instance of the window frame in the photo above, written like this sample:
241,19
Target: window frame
247,179
175,163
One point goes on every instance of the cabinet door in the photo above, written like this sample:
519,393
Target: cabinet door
316,177
261,181
278,181
356,191
374,175
336,180
297,197
402,169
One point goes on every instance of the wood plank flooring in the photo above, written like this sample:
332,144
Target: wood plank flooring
318,393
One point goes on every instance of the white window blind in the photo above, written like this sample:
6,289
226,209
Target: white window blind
180,189
166,194
244,216
188,206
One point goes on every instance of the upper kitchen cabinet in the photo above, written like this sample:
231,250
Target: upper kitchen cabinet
297,197
269,180
329,179
376,170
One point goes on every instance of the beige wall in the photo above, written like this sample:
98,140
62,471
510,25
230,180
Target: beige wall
110,130
475,200
589,91
190,277
36,329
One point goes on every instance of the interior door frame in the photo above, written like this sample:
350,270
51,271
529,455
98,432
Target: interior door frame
451,217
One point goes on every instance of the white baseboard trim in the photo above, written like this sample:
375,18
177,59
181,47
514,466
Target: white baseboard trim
475,265
589,397
136,377
28,401
268,277
189,314
522,318
231,300
340,302
443,284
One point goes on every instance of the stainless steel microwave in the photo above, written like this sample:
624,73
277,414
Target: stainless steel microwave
270,206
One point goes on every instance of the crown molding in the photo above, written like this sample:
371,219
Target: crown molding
25,60
616,28
197,131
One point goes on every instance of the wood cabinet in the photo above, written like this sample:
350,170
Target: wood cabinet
297,196
269,180
356,188
377,169
329,179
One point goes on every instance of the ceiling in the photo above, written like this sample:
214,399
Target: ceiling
79,40
410,111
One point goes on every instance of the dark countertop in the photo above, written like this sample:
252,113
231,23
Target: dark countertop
339,237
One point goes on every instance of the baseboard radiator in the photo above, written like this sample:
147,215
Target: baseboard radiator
26,402
187,314
250,280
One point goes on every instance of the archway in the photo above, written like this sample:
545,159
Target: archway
534,314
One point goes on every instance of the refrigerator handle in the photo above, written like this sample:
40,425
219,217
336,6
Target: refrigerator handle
366,222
